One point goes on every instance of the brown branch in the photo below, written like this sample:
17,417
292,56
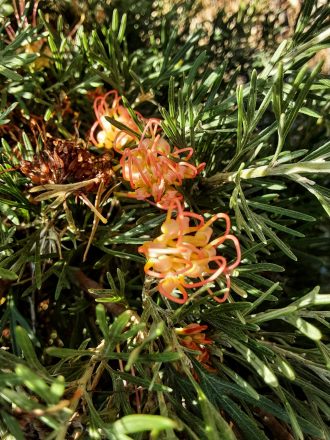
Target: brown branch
278,430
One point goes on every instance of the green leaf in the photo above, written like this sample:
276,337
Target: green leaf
278,242
291,413
142,422
121,254
9,213
68,353
20,399
155,332
283,228
122,127
12,426
252,218
200,60
116,329
304,327
5,113
245,422
227,308
122,28
215,388
321,153
57,388
6,274
292,114
310,112
26,346
282,211
240,381
10,74
272,314
262,267
35,383
101,321
37,264
261,368
262,298
62,282
285,368
215,425
302,167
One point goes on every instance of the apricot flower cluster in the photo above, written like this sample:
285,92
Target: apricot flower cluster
107,133
184,256
154,170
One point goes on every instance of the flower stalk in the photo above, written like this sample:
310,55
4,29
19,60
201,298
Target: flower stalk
266,170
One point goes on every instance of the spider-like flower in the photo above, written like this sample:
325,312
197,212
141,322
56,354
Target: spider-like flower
183,257
193,338
154,169
107,133
193,333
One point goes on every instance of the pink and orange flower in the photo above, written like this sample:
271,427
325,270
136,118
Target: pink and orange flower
193,338
104,134
154,169
184,257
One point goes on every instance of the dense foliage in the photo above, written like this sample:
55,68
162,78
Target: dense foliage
89,346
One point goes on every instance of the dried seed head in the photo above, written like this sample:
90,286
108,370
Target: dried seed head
64,161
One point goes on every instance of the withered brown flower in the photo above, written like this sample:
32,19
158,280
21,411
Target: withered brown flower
63,161
65,168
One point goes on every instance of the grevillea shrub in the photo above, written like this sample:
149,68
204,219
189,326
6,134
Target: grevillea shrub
164,238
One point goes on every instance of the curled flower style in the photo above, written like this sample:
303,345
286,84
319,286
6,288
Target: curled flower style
183,257
107,133
154,169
